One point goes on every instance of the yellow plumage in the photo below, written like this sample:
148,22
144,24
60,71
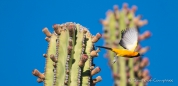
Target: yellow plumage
129,41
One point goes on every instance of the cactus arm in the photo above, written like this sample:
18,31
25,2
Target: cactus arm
112,25
111,28
49,74
121,60
122,23
131,20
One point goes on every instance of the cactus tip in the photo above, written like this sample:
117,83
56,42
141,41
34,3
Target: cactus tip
93,53
134,8
39,80
98,79
96,38
45,55
36,73
47,39
46,32
95,71
115,7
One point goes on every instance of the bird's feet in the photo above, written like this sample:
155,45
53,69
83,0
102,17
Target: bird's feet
115,59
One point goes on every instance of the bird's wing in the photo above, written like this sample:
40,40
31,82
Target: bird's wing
129,39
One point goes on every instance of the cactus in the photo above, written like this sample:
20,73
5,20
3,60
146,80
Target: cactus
126,71
69,57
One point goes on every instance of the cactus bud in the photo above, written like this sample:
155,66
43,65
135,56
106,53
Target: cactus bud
95,71
144,62
83,60
115,75
45,55
145,73
92,67
53,58
47,39
144,50
96,38
98,79
46,32
36,73
70,42
103,22
57,29
69,49
141,23
145,35
93,53
54,65
39,80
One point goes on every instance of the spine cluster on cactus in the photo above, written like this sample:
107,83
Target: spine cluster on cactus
126,71
69,57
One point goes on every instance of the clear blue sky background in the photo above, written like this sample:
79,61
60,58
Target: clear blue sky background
22,41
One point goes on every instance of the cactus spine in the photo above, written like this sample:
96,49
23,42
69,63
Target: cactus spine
69,57
125,70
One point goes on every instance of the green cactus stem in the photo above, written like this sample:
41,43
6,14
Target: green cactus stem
69,57
125,69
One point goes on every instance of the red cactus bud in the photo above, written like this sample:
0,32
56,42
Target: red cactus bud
84,58
57,29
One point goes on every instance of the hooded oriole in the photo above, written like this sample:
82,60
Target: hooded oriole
129,41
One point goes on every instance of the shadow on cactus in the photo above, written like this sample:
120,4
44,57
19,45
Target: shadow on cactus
126,71
69,57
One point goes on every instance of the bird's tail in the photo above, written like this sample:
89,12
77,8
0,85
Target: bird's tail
104,47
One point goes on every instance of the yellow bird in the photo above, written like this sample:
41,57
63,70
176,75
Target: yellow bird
129,42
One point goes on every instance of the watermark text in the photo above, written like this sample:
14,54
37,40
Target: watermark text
152,80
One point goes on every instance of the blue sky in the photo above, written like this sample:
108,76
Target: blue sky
22,41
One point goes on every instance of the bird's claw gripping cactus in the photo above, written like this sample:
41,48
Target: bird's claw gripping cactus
125,69
69,57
